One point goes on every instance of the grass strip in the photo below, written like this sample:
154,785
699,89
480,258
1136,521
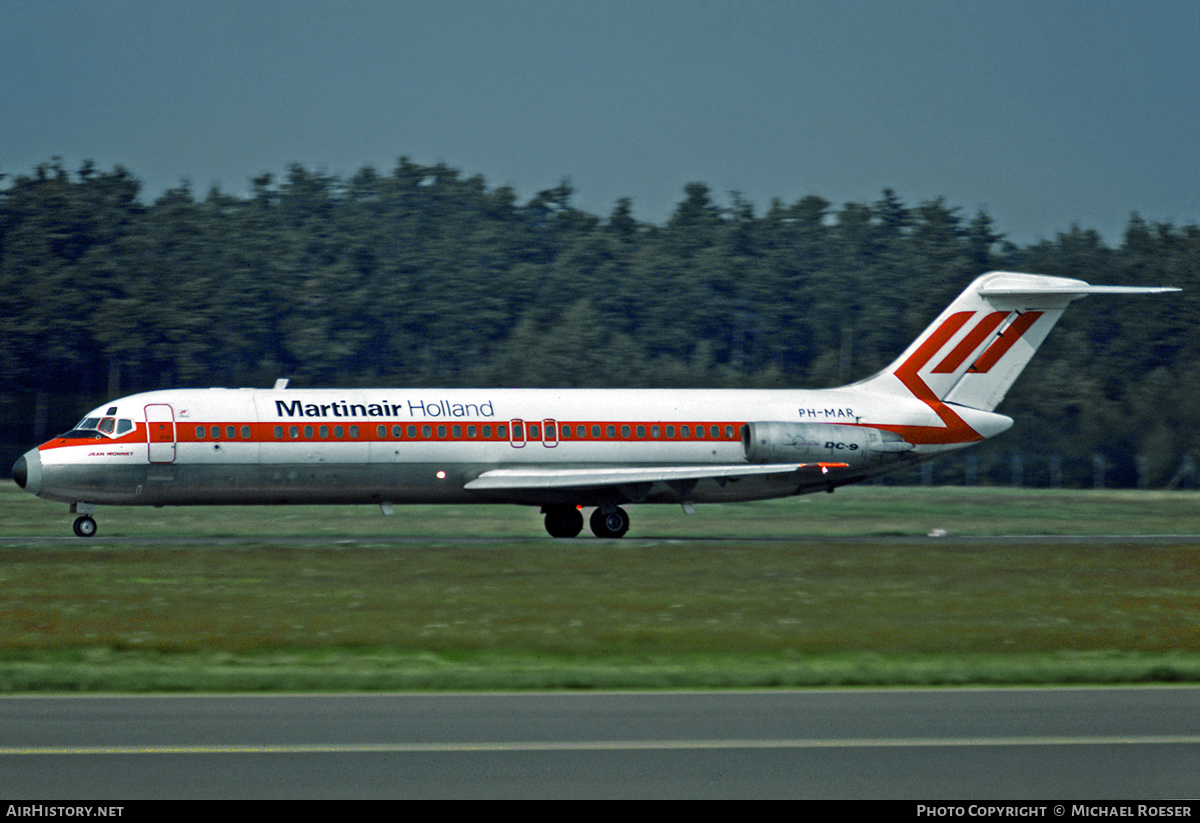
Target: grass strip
631,615
384,670
440,612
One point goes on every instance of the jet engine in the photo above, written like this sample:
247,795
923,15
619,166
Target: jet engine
780,442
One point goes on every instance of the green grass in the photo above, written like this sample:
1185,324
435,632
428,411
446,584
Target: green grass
440,611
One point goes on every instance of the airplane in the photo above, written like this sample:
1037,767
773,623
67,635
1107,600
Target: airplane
563,450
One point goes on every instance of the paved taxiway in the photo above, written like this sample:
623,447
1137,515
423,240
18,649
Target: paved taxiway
1048,743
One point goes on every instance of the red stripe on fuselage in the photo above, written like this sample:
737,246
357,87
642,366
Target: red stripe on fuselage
397,431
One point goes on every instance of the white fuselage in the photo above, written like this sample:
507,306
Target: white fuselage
257,446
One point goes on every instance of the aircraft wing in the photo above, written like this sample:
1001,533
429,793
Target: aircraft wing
548,477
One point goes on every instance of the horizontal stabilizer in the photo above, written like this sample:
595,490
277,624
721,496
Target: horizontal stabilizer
546,477
1003,289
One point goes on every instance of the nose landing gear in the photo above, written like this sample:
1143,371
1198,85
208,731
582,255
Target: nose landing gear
85,526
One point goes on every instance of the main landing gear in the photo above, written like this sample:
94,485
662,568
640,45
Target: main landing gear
567,521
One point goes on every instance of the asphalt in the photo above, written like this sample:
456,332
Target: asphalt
1052,744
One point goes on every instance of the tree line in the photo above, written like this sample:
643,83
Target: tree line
424,276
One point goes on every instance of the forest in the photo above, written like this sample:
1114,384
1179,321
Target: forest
422,276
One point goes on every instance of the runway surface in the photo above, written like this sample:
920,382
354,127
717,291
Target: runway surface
1044,743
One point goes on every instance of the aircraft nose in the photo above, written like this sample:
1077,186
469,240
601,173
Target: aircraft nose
27,472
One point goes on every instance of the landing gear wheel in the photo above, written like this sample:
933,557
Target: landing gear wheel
85,527
564,521
610,523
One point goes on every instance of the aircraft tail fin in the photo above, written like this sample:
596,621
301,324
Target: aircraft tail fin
971,354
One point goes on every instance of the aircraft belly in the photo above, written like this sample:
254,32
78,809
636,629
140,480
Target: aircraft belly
93,483
705,490
253,484
360,483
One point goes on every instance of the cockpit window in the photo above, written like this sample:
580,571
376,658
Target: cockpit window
95,427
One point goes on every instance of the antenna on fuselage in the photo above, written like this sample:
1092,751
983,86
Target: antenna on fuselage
281,384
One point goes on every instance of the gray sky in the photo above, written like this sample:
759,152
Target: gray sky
1043,113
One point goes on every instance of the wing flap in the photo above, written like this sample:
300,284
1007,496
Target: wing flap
544,477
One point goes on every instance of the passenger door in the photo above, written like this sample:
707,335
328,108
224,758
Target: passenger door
160,433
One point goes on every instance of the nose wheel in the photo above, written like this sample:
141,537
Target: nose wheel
85,526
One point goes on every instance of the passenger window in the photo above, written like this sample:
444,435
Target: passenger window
294,432
216,432
324,432
354,432
625,431
339,432
685,432
471,431
596,432
230,432
246,432
671,432
426,432
412,432
641,430
308,432
441,431
397,432
612,431
502,431
199,432
279,432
